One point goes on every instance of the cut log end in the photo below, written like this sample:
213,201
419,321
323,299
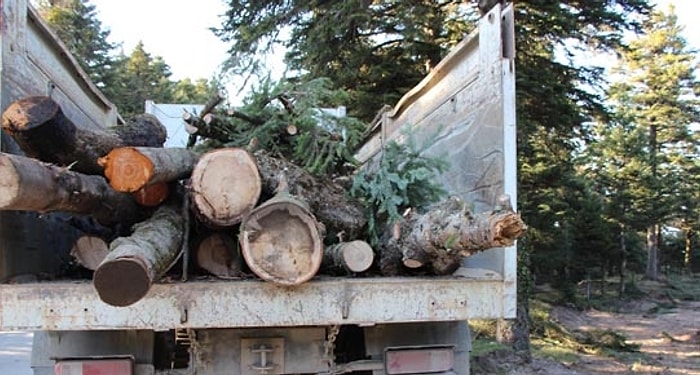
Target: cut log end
127,169
9,182
152,195
122,282
280,242
225,186
218,255
355,256
90,251
27,113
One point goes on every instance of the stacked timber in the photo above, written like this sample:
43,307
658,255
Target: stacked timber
251,214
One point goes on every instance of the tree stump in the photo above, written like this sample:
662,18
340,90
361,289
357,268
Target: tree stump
218,254
29,185
281,241
42,131
135,262
224,186
129,169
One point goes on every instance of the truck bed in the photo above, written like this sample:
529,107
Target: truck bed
254,303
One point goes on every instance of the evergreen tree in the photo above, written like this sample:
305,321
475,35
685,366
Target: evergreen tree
374,50
76,24
657,97
140,77
199,91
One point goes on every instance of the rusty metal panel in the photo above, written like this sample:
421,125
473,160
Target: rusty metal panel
252,303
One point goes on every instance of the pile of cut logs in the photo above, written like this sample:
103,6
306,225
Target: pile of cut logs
253,212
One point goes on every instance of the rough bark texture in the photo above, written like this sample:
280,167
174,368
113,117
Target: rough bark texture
218,254
282,242
348,257
129,169
30,185
135,262
89,251
439,238
327,200
224,186
42,131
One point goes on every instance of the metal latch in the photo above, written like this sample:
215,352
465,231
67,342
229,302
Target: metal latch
262,356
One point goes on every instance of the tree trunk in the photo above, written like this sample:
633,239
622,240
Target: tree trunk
218,254
129,169
89,251
135,262
42,131
348,257
224,186
328,201
652,271
439,238
30,185
623,260
282,242
688,251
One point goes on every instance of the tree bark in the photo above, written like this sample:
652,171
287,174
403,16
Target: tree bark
281,241
439,238
135,262
652,271
89,251
225,186
129,169
42,131
328,201
29,185
348,257
218,254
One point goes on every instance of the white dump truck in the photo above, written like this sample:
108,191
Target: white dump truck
328,325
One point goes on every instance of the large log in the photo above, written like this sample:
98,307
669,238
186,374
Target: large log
135,262
440,238
281,241
224,186
29,185
328,201
42,131
129,169
218,254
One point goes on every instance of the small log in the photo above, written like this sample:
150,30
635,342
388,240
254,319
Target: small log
224,186
29,185
446,233
135,262
281,241
129,169
42,131
219,255
354,256
89,251
152,195
328,201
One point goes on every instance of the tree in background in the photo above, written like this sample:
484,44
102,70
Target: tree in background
656,97
375,50
127,81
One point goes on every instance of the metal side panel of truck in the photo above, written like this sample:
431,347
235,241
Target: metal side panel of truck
329,325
